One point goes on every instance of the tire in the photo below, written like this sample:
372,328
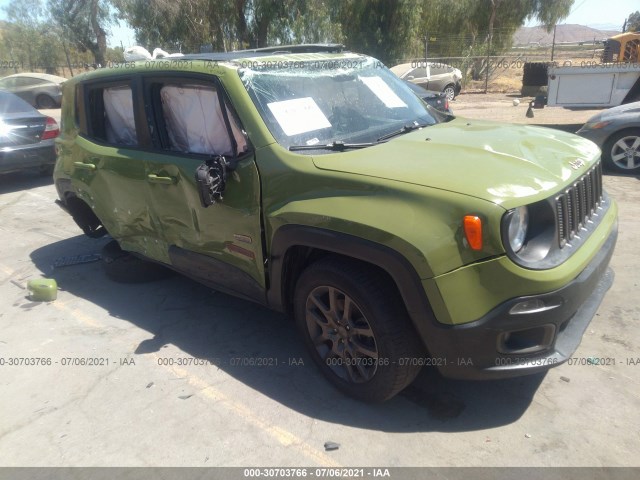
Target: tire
123,267
621,152
450,92
377,327
45,102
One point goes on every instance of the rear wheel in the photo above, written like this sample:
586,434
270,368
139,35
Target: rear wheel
356,329
45,102
621,152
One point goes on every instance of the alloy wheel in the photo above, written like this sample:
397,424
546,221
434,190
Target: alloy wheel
341,334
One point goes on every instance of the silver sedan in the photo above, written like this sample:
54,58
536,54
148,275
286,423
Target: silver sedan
617,133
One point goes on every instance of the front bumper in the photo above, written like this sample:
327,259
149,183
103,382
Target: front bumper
504,344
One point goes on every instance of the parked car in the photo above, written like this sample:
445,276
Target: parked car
319,185
617,132
26,136
432,76
437,100
39,89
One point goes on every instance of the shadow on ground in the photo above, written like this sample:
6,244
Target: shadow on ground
207,324
24,180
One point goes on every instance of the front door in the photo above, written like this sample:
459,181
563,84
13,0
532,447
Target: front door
219,244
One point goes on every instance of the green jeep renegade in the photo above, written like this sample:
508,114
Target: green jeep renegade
313,181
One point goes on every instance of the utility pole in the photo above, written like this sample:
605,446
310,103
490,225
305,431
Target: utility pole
486,77
553,42
426,48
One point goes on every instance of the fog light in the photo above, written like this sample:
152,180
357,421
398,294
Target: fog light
534,305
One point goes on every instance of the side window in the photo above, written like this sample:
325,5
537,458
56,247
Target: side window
419,72
111,117
7,83
26,81
194,121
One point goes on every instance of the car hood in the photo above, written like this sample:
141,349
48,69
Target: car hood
506,164
612,113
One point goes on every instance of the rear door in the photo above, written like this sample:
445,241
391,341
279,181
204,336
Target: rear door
192,122
440,77
419,76
109,169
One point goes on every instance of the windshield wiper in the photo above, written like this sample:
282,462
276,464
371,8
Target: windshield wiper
337,145
405,129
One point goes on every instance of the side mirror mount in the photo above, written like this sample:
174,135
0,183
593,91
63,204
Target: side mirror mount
211,179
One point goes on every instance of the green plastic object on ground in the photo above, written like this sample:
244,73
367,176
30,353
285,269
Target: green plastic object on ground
43,289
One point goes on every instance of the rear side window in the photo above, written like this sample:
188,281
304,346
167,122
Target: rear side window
9,103
7,82
111,115
28,81
194,121
120,124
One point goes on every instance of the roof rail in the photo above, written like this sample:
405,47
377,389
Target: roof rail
303,48
260,52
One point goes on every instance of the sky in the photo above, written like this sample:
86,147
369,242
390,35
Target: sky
602,14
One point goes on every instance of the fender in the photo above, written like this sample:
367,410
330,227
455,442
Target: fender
396,265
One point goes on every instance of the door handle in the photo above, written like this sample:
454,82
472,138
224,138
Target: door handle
164,180
84,166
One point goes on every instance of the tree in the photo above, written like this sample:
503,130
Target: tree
632,24
27,39
84,23
229,24
384,29
479,28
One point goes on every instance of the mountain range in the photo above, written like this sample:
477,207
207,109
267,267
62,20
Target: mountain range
564,34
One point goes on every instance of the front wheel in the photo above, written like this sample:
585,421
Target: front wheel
450,92
621,152
356,329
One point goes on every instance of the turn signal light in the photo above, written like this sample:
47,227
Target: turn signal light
473,231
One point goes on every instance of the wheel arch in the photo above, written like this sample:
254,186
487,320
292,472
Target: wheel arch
82,214
43,95
296,246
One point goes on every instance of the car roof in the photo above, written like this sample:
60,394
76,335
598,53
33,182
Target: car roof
42,76
280,53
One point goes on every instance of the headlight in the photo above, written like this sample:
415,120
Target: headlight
517,229
595,125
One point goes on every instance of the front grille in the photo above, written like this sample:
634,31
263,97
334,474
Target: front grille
578,204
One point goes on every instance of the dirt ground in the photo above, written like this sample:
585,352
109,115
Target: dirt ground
500,107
